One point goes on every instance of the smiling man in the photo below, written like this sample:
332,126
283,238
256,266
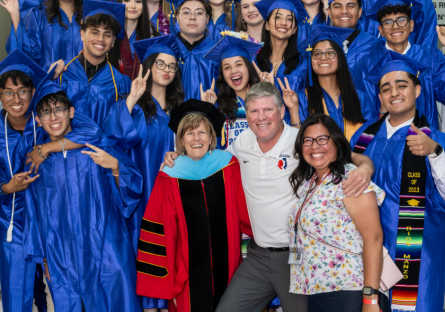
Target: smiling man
345,14
396,25
410,166
89,80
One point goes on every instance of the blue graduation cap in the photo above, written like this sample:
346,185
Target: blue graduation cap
265,7
163,44
17,60
320,33
47,87
115,10
393,61
230,46
416,7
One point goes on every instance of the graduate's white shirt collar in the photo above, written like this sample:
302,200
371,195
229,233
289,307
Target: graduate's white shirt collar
404,52
390,130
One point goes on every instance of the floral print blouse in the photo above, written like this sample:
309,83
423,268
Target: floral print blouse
325,269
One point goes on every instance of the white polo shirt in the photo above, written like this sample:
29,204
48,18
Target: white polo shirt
265,176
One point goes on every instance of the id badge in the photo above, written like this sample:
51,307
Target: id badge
295,256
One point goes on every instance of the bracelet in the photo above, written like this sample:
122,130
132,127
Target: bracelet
370,301
297,124
41,153
114,175
1,191
383,113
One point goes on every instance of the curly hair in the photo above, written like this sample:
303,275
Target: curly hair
102,19
53,12
393,9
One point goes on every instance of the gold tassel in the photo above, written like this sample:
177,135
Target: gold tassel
223,138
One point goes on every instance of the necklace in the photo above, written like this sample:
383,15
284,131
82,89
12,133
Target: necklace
85,66
63,147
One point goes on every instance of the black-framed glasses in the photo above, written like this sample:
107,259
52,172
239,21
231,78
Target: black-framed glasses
23,94
188,14
321,140
173,68
58,112
328,54
401,21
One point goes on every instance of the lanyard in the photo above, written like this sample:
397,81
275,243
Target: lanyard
309,195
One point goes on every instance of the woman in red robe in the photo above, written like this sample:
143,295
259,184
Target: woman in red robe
190,244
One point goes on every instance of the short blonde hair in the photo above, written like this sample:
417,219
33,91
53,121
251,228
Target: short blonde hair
191,122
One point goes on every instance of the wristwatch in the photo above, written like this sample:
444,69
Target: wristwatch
369,291
438,150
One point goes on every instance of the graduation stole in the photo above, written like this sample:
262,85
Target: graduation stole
348,127
411,214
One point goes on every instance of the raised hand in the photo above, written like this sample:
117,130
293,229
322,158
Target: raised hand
19,182
209,95
290,98
138,87
420,144
59,69
441,34
265,76
12,6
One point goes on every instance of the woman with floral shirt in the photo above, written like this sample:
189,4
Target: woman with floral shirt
335,241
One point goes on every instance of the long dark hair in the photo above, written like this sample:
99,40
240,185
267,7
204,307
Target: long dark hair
53,11
144,30
304,171
352,110
227,97
174,94
291,56
321,10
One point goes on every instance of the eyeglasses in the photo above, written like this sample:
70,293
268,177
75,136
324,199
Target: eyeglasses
401,21
58,112
171,67
328,54
23,94
321,140
187,14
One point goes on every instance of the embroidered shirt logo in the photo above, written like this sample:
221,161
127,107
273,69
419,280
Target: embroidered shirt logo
282,163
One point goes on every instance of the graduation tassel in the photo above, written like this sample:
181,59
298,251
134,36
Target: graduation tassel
223,139
11,226
233,15
309,49
171,19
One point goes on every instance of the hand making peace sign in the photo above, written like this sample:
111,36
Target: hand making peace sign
290,98
138,87
265,76
209,95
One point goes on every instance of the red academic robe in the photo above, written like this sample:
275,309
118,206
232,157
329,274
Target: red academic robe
180,252
129,63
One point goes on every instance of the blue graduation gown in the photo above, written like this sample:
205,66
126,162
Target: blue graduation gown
195,69
368,110
387,157
424,27
305,28
17,275
363,45
43,41
216,28
154,21
432,80
75,218
93,99
146,144
297,79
